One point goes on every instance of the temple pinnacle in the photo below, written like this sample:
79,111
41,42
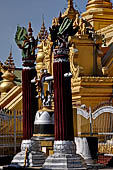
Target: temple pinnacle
9,63
70,3
30,29
43,34
70,11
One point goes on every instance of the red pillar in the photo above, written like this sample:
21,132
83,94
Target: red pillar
62,97
29,100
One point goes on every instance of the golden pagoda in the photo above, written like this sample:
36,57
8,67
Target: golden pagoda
99,13
10,91
8,76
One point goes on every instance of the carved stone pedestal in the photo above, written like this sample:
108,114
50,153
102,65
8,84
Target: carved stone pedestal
64,157
32,157
87,147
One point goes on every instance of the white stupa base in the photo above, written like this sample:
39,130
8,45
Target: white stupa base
64,157
34,158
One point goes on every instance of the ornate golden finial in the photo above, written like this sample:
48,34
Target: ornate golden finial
30,29
9,63
70,11
60,15
43,34
43,19
70,3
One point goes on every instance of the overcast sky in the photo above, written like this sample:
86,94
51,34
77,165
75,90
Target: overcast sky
14,12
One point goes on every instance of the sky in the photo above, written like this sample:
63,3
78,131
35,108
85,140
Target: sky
21,12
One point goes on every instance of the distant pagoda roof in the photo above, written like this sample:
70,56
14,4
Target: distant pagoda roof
43,34
9,63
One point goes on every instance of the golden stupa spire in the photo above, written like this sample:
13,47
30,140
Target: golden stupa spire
43,34
70,3
9,63
70,11
8,76
30,29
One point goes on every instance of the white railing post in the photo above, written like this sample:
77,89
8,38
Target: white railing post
90,118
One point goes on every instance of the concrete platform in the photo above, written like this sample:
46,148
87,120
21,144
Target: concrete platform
6,167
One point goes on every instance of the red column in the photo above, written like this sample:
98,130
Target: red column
62,97
29,100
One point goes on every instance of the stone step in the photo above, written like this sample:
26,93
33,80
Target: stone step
67,161
57,168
